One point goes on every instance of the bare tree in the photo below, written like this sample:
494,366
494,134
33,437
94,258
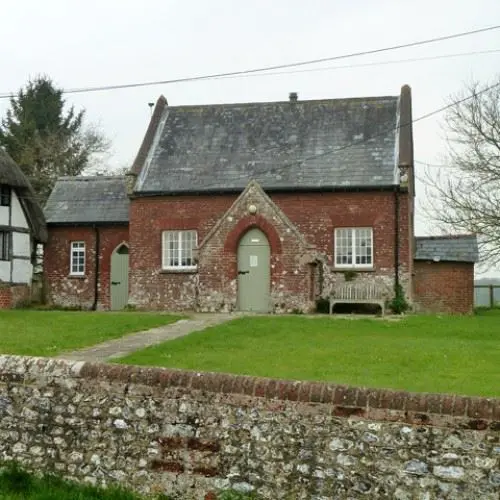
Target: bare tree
467,197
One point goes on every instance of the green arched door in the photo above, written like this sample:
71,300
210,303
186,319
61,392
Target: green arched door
119,278
254,272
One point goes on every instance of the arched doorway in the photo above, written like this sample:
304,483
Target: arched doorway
119,278
254,272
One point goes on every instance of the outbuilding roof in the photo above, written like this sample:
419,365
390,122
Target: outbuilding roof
459,248
85,200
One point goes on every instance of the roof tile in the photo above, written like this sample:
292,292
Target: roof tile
460,248
282,145
79,200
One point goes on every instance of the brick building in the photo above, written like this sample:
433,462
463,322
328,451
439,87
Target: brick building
260,207
444,273
87,217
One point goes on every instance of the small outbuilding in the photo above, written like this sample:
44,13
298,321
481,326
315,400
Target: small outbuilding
444,273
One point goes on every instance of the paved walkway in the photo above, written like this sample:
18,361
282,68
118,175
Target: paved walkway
118,348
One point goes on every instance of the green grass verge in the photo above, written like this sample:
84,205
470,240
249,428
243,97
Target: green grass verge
444,354
48,333
17,484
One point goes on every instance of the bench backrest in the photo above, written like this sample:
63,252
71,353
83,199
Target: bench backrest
358,291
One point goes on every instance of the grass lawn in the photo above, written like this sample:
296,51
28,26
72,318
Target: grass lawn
448,354
48,333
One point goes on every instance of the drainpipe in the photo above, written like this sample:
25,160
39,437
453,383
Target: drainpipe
96,269
396,237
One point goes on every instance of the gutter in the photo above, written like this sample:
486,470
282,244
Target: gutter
97,268
270,191
87,223
396,238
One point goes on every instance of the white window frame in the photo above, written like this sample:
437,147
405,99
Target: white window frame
353,265
79,248
170,236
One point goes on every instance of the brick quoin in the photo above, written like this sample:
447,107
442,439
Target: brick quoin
66,290
444,286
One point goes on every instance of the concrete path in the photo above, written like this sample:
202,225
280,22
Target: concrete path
118,348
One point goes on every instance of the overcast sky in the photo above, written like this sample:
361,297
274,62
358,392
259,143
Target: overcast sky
105,42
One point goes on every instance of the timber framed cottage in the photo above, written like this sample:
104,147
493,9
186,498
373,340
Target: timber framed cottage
22,227
262,207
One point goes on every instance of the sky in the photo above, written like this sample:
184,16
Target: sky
107,42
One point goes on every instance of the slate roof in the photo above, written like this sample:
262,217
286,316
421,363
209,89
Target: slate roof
460,248
336,143
11,175
85,200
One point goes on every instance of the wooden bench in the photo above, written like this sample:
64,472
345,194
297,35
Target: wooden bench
357,293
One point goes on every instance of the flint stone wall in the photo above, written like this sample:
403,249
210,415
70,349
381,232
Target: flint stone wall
193,434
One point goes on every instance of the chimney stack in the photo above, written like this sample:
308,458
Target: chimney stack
293,96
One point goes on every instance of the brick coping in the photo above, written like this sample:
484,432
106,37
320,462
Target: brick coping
479,413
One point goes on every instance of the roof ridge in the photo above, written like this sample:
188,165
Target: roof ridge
303,101
447,236
90,177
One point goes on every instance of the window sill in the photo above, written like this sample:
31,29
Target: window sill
192,270
339,269
77,276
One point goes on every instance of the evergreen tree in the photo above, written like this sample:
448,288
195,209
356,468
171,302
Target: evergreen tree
45,139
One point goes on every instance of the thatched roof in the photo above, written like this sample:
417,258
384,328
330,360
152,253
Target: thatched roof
11,175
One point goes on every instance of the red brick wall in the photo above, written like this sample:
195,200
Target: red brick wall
315,215
12,295
318,214
446,287
5,297
66,290
149,217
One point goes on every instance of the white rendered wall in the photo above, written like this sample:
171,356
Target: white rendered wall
4,216
21,246
22,271
4,270
18,217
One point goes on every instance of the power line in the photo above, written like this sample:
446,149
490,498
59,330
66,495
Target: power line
7,95
363,65
434,165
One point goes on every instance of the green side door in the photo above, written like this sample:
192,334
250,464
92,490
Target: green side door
254,272
119,278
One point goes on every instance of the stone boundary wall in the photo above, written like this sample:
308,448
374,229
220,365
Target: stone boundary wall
193,434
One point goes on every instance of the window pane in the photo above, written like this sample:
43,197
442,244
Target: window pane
353,247
363,246
78,257
343,246
178,248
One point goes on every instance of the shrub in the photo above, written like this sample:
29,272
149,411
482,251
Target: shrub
399,304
